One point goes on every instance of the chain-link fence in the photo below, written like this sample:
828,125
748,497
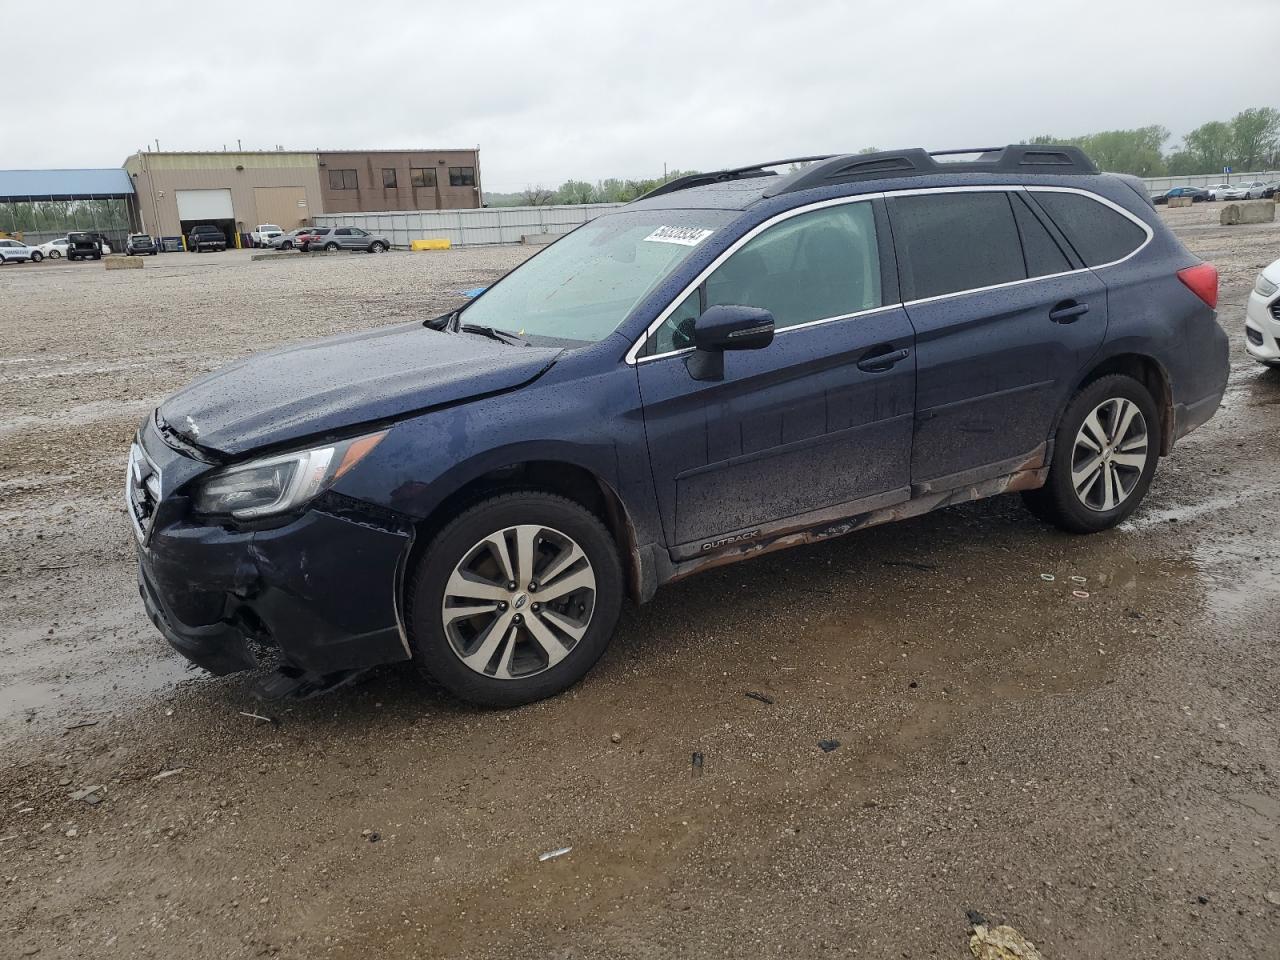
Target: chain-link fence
38,221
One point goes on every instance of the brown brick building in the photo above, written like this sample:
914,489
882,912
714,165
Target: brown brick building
360,181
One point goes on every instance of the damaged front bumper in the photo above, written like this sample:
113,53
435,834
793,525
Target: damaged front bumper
319,591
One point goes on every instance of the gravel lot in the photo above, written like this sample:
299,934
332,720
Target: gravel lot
1102,773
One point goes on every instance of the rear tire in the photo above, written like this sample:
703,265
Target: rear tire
330,247
377,248
1105,453
565,633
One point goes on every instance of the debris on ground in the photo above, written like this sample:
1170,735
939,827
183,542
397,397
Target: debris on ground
165,774
82,724
90,795
828,745
552,854
1000,943
696,764
1273,898
755,695
257,716
615,738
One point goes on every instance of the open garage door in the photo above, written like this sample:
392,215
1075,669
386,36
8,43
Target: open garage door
205,205
286,207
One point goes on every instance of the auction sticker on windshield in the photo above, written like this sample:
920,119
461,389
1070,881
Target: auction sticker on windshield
685,236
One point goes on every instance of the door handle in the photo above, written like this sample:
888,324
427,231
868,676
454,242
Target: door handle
873,362
1067,311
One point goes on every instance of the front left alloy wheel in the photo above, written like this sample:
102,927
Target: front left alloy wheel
515,600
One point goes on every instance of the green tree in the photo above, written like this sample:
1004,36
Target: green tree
576,191
1254,135
1210,146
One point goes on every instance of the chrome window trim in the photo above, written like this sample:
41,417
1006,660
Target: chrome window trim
633,358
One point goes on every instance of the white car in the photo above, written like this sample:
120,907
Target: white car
1262,318
15,251
54,249
264,233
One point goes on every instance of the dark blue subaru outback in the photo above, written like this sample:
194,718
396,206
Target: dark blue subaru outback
736,363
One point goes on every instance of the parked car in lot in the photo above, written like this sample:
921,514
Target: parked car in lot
1197,194
264,233
54,249
141,244
1254,190
294,238
1218,190
15,251
345,238
1262,317
206,236
738,362
84,246
1238,191
1269,191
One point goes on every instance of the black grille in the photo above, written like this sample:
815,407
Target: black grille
1254,336
1275,310
141,491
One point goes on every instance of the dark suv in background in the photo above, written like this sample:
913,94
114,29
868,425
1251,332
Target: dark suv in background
739,362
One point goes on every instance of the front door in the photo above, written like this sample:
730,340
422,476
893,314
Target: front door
1005,319
818,423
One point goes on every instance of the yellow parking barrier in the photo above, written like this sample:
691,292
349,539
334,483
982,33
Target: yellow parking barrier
429,245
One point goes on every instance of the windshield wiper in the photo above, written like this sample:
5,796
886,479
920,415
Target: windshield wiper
493,333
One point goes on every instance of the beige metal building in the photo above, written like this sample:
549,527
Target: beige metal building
237,190
234,190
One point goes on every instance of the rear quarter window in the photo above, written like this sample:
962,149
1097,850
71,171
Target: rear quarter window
1099,234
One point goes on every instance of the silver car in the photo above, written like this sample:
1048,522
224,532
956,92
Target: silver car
347,238
287,241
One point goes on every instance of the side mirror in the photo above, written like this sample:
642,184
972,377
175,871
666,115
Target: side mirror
722,328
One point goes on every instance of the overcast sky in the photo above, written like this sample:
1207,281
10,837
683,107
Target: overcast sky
552,90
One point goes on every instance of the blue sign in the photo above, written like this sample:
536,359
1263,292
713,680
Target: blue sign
1226,169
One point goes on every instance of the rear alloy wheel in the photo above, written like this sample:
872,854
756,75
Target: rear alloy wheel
55,255
515,600
1104,457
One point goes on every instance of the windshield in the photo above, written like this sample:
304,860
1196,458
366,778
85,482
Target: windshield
270,226
579,289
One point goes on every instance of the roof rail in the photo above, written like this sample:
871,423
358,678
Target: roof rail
1017,158
721,176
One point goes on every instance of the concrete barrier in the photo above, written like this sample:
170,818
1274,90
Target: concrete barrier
1248,211
1179,201
539,239
123,263
429,245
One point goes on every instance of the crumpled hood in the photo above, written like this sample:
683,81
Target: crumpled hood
339,382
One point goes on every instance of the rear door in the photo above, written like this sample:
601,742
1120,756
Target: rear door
818,424
1005,319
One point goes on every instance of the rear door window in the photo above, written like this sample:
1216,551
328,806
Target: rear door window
1044,256
1099,234
950,242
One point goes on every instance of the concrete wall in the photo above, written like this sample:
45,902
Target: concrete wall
465,228
371,195
157,177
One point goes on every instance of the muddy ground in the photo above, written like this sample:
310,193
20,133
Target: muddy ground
1103,772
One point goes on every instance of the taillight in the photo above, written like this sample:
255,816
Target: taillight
1202,280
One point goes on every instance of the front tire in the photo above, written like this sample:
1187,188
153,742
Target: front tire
330,247
1104,457
36,256
377,248
483,626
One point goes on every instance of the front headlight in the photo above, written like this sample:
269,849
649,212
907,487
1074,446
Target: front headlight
260,488
1264,287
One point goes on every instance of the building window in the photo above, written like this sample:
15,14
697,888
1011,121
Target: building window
388,178
422,176
343,180
462,176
